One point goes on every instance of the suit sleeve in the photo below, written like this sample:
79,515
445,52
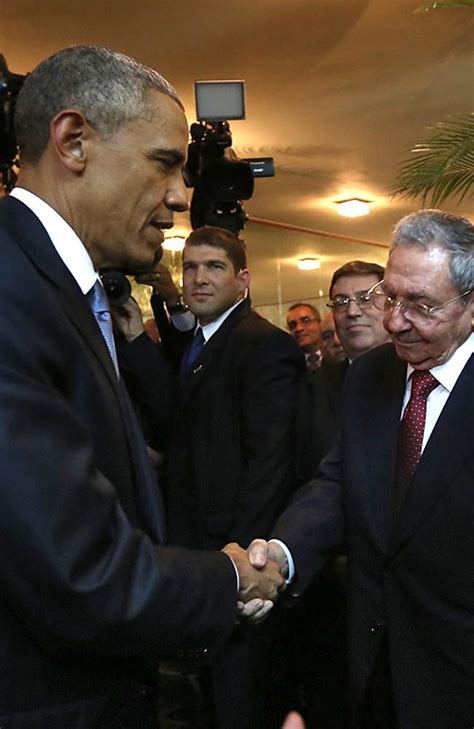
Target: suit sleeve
313,524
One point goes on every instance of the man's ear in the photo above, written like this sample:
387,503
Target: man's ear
69,133
244,278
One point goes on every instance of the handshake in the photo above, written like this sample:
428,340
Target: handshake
262,570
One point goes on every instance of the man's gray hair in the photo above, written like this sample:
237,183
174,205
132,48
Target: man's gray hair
451,232
107,87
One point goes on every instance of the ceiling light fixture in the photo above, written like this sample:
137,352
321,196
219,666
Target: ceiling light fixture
353,208
174,243
308,264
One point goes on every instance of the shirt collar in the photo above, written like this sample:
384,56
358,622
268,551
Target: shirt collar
447,373
209,329
68,245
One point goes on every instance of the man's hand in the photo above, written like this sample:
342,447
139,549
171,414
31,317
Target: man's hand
162,283
128,319
260,551
262,584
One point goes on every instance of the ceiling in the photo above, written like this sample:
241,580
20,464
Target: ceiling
337,91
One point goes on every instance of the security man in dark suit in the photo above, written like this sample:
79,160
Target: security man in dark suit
90,597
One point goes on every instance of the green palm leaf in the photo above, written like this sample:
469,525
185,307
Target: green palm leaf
441,167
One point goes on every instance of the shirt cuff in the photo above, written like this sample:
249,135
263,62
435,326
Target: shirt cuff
184,322
235,569
291,564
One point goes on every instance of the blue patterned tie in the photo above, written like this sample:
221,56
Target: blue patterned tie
100,306
193,351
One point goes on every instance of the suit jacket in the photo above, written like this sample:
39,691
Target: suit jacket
409,574
88,593
320,412
231,461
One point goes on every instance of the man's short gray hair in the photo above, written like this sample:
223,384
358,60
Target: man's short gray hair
451,232
107,87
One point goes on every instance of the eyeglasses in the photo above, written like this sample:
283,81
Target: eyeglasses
341,303
302,320
412,310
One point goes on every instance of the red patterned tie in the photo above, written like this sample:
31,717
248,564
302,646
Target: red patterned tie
412,427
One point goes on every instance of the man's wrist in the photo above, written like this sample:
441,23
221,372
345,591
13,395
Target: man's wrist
290,565
176,306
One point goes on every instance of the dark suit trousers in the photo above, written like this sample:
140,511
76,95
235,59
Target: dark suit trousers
377,709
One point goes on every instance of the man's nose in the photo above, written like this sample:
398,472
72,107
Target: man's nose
176,198
200,276
353,309
395,321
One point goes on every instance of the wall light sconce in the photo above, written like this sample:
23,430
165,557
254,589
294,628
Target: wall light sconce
174,243
309,264
353,208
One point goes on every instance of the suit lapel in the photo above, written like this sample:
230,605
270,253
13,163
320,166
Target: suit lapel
445,452
380,425
30,235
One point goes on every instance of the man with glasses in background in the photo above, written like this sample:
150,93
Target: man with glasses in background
304,322
354,322
397,488
359,324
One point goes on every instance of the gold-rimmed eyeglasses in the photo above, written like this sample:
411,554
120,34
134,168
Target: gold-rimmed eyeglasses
341,303
412,310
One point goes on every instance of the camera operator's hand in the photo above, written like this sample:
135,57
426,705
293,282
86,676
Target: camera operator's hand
162,283
128,319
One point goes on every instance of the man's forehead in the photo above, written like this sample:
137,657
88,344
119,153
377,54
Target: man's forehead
300,311
419,270
205,254
327,323
357,282
168,114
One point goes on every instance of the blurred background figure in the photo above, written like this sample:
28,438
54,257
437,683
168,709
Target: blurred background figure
331,346
303,322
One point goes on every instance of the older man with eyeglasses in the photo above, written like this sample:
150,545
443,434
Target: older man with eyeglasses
398,488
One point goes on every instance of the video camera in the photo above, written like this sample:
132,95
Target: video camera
220,180
10,85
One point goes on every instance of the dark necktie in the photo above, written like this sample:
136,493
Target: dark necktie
100,306
313,361
193,351
412,427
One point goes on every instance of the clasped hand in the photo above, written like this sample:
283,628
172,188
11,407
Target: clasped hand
262,570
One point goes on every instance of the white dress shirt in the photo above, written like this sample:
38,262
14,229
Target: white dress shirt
68,245
447,375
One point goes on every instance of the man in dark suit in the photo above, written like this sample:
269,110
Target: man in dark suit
231,459
89,597
358,325
398,487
